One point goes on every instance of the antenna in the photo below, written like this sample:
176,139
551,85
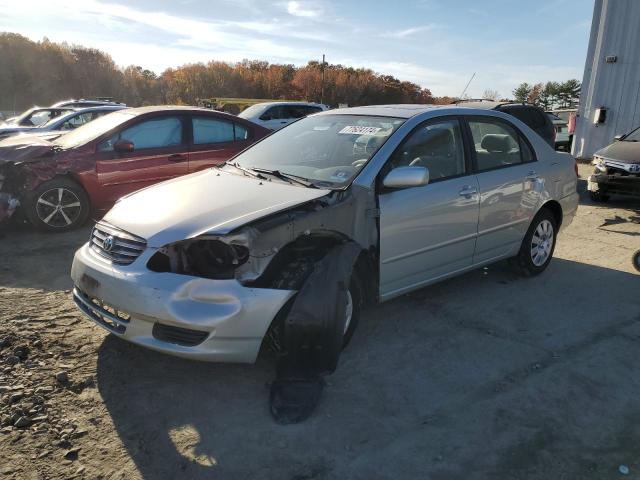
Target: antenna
468,83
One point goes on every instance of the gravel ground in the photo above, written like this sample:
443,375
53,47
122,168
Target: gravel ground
484,376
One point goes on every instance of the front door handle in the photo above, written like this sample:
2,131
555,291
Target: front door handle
177,157
468,191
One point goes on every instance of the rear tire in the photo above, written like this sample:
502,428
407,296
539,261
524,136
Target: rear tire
58,205
538,244
636,260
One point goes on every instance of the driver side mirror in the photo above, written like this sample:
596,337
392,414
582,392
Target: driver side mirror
123,146
617,138
406,177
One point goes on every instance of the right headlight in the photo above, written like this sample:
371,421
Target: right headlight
200,257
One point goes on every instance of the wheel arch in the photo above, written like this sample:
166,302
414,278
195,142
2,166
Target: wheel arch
556,209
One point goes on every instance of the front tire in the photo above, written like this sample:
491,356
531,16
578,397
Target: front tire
293,280
598,197
58,205
538,244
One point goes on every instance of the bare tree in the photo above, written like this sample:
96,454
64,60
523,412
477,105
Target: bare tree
491,95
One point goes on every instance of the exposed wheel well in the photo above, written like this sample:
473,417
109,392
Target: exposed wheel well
555,208
290,267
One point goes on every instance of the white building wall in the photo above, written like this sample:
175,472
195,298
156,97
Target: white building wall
615,30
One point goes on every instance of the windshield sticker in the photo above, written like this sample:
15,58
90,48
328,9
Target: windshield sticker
321,128
355,130
340,176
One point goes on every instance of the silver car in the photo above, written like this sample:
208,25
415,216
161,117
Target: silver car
206,265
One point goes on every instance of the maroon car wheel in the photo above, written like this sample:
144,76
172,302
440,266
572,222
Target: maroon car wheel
58,205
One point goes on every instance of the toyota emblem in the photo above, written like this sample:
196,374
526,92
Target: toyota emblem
108,243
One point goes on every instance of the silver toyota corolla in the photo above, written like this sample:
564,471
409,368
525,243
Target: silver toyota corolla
204,266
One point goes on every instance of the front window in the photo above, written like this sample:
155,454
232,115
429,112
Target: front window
327,150
93,130
633,136
154,133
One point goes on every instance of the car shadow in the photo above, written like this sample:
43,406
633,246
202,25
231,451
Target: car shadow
184,419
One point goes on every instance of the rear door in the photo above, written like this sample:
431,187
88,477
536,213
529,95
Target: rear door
215,140
160,153
510,186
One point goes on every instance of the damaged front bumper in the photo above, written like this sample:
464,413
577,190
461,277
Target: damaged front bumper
614,184
182,315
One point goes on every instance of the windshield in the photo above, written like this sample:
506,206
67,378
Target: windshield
327,150
633,136
252,111
94,129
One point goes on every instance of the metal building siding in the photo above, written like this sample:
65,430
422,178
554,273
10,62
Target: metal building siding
616,86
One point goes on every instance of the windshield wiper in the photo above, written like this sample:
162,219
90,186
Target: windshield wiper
286,176
247,170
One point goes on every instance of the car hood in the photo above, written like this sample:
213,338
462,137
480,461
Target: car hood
627,152
24,148
209,201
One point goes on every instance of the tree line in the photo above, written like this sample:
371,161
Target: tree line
549,95
41,73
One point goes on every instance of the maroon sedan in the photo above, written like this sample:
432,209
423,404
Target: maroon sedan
59,183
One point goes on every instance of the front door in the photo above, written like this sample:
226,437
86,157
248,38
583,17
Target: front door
510,186
428,232
160,153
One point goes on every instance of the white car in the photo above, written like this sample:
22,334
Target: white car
275,115
380,200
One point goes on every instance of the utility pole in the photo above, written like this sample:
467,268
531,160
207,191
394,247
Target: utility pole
322,82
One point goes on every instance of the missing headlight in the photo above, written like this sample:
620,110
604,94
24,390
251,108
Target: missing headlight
208,258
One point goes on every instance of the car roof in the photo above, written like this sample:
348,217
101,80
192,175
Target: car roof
284,102
82,100
400,110
97,108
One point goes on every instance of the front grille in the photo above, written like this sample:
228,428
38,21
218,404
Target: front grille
116,245
109,317
179,336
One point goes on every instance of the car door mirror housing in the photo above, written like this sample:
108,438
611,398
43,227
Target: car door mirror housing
123,146
617,138
406,177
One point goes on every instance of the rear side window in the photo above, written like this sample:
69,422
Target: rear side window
497,145
241,133
155,133
212,130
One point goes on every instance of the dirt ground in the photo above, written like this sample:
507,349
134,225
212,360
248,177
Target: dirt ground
488,375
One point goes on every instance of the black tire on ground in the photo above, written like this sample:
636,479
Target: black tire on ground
598,197
528,261
293,281
636,260
57,205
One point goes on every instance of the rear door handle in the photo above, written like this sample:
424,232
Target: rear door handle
177,157
467,191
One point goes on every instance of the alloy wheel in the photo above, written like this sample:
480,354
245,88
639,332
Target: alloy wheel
542,243
58,207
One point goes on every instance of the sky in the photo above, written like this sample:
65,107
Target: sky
438,44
